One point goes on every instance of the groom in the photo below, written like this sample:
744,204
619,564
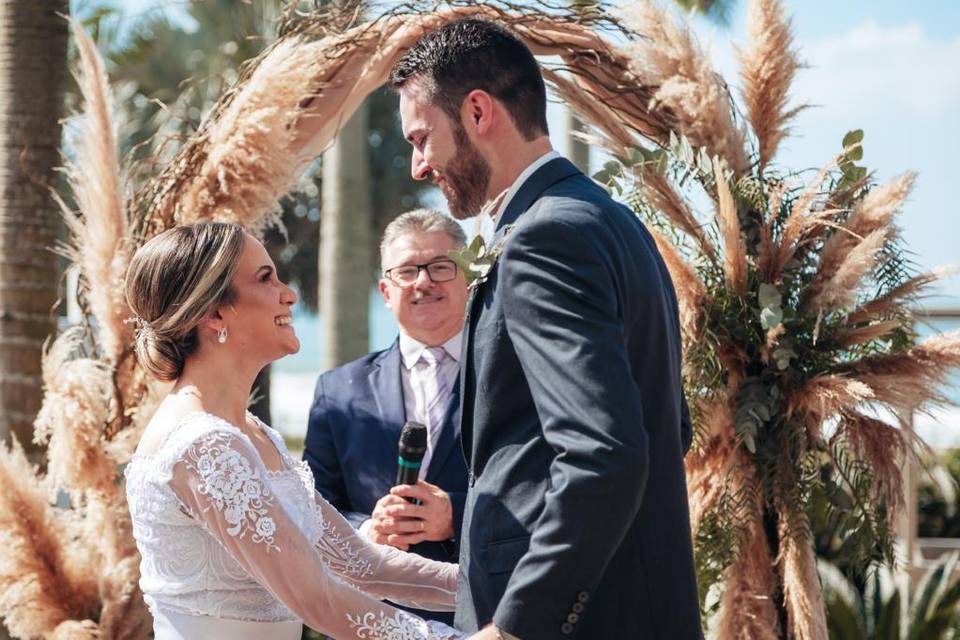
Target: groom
573,417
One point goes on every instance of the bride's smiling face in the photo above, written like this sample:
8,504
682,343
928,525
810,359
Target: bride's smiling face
258,319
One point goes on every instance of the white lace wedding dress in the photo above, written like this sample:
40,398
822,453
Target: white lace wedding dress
231,549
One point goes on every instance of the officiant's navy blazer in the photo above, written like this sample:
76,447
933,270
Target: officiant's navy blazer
575,427
352,437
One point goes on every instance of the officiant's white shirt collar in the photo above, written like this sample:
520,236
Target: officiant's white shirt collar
526,173
411,349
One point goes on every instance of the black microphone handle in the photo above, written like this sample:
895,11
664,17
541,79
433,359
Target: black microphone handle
413,445
407,475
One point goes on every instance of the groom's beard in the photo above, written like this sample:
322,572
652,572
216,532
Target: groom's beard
467,178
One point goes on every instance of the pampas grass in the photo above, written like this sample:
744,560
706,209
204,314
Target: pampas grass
885,449
768,65
801,587
840,289
44,576
684,278
734,256
662,196
668,57
74,409
747,609
709,467
894,300
848,255
72,572
99,242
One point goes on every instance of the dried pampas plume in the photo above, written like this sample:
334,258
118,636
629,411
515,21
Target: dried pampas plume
734,255
870,218
685,279
98,244
668,57
747,610
806,617
663,197
44,576
840,289
72,418
767,67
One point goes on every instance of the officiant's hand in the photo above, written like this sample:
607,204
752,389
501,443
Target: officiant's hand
381,526
434,514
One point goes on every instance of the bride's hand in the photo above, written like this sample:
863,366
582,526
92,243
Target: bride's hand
487,633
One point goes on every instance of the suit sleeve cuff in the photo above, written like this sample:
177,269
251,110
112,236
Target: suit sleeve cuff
457,500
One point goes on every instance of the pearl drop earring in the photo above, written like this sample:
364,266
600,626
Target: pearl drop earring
222,335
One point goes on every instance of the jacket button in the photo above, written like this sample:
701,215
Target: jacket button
573,618
566,628
583,596
577,607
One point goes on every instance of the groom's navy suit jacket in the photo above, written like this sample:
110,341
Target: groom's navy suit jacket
352,439
575,427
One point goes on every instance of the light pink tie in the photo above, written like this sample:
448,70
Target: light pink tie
432,397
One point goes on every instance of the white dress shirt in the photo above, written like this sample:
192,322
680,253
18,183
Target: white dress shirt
413,398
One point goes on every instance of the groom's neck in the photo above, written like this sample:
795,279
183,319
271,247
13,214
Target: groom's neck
509,160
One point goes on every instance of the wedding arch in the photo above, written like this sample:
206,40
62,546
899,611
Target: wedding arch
639,79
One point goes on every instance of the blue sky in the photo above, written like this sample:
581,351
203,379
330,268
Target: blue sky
889,67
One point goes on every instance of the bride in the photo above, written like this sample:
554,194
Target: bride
235,543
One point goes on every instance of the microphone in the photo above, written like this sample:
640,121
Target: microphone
413,444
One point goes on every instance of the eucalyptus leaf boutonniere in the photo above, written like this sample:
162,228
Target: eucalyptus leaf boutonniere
476,260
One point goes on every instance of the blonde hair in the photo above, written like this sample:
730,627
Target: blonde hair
420,221
174,280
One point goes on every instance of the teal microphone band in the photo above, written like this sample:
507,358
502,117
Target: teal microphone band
408,464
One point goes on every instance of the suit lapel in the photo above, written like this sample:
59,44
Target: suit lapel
387,388
466,391
543,178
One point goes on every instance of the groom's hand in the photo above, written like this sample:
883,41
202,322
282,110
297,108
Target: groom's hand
434,513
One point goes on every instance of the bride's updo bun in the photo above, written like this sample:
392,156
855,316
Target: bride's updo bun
174,280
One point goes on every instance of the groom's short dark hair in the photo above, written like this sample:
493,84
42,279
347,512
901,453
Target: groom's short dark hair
470,54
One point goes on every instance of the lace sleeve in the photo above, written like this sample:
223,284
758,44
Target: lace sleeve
381,570
221,481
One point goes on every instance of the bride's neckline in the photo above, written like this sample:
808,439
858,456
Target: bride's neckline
189,416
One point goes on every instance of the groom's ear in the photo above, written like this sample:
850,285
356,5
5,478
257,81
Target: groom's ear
478,111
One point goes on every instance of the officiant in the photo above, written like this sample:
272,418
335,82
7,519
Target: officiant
359,408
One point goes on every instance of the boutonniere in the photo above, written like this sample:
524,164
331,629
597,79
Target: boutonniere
476,260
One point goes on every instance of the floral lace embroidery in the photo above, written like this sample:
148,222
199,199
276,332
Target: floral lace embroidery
338,554
401,626
236,490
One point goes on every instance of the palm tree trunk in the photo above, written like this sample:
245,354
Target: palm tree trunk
578,150
345,275
33,60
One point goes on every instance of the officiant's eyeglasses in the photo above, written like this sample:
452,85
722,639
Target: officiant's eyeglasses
437,271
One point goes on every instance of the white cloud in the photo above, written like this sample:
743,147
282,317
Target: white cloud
892,69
